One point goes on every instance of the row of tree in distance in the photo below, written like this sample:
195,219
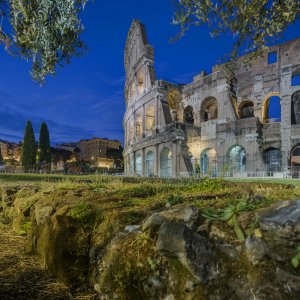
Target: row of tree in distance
33,155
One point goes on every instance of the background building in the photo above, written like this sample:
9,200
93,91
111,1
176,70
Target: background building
242,122
95,151
10,151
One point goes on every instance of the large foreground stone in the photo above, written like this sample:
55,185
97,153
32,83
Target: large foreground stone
176,240
281,221
62,243
190,215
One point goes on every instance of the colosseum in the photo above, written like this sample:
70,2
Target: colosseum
242,123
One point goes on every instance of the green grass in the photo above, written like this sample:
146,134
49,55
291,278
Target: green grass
29,177
141,194
295,181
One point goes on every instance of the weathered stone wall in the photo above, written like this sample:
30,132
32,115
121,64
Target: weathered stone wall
225,111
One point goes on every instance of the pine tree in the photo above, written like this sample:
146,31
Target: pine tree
29,148
44,145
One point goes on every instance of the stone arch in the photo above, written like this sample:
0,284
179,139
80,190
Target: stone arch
209,109
272,159
295,161
246,109
138,164
150,118
130,130
295,108
132,91
272,109
188,115
174,98
175,105
208,161
138,124
166,163
140,82
149,164
236,158
296,77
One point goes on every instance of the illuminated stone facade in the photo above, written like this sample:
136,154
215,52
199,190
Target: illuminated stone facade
94,150
10,151
241,122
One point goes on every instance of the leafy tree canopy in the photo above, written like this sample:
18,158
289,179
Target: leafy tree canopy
60,155
44,32
254,24
117,156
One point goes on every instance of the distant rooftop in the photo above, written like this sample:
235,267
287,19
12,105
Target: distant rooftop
98,138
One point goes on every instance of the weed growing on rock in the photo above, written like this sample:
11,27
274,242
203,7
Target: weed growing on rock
296,259
25,228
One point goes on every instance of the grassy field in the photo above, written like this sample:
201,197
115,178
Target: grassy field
55,178
7,177
142,192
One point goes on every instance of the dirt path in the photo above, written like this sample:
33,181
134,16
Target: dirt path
23,277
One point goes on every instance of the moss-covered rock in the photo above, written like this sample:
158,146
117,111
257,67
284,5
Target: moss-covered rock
63,243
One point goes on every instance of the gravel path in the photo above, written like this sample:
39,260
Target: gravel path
23,277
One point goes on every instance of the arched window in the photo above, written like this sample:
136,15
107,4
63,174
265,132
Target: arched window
272,110
188,115
132,91
208,161
138,124
209,109
150,118
296,78
130,131
149,164
138,164
272,159
246,109
295,108
166,163
236,158
140,80
295,161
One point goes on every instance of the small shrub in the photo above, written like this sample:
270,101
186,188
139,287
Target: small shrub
25,228
173,200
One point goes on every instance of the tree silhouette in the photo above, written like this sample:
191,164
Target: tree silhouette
29,150
44,151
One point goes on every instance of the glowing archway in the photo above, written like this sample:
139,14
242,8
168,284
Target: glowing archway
166,163
236,158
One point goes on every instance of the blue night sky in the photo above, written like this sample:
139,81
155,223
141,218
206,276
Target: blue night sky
85,99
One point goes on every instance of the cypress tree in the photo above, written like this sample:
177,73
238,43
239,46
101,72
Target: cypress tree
44,145
1,157
29,148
